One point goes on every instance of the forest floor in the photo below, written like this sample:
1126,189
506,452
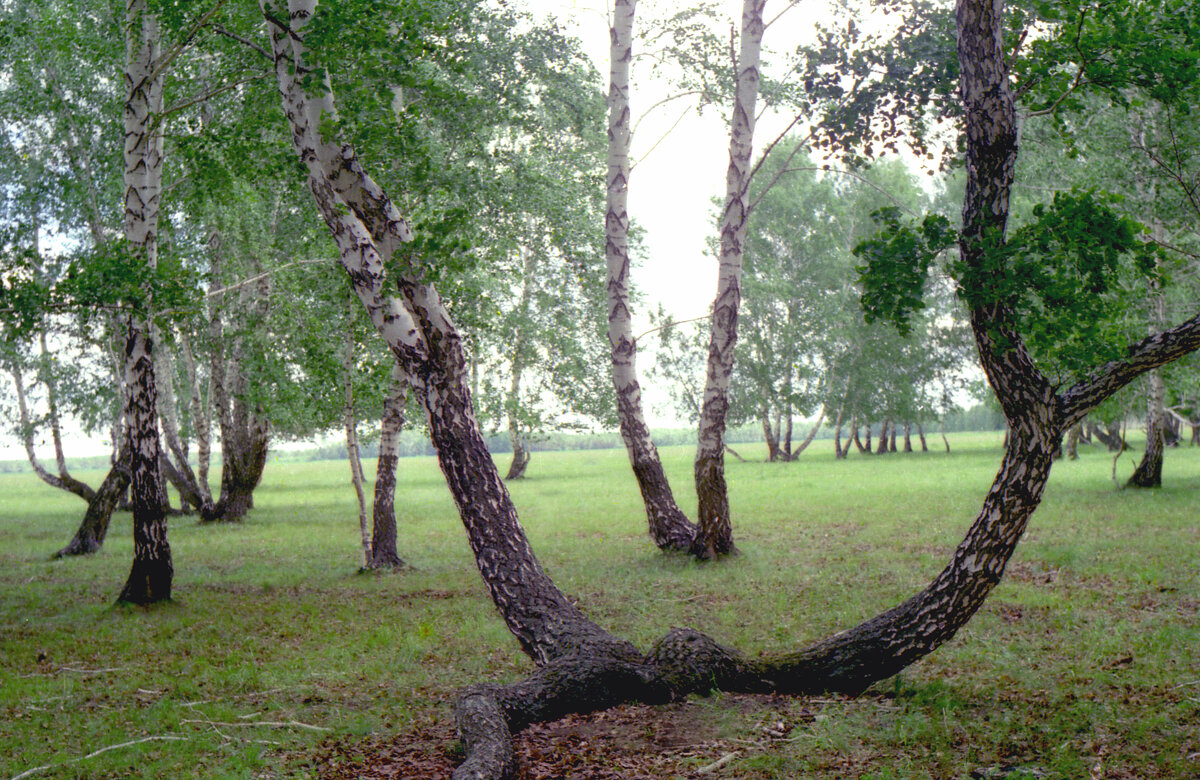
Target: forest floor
279,660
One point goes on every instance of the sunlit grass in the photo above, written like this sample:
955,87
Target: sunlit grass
1088,652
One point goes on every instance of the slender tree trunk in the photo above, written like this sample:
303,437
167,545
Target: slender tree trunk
769,433
151,573
201,404
177,470
89,537
788,455
716,531
812,434
368,230
669,527
921,436
1148,473
520,450
838,452
351,425
383,529
62,480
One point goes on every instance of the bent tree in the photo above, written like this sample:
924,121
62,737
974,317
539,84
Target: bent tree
582,666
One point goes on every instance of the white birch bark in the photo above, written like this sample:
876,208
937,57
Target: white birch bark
367,229
716,535
669,527
151,573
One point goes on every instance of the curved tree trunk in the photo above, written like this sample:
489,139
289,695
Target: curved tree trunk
669,527
383,509
921,437
715,537
62,480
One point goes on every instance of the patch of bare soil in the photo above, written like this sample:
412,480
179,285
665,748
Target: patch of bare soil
630,742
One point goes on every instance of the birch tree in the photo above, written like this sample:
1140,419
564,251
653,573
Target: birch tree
669,527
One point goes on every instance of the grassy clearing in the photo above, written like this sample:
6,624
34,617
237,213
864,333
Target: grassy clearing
1085,661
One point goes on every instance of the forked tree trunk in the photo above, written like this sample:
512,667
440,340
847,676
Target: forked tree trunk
582,666
669,527
89,537
383,509
151,573
716,531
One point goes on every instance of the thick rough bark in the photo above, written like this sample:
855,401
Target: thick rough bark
383,509
669,527
716,531
151,573
368,230
89,537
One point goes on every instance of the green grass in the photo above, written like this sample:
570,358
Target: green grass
1087,655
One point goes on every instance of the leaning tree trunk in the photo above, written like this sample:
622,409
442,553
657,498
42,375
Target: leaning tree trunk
808,438
383,509
151,573
89,537
921,437
716,531
669,527
368,230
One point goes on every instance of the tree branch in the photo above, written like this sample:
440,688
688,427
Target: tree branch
1150,352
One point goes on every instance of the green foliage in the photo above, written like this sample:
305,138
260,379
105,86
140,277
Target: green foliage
898,259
